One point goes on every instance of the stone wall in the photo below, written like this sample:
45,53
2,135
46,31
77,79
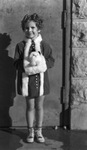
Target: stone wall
79,65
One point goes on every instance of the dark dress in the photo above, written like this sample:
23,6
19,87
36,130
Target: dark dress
34,80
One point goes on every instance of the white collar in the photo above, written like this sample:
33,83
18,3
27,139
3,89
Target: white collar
37,40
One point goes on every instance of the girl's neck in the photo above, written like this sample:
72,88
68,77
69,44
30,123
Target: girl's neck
34,39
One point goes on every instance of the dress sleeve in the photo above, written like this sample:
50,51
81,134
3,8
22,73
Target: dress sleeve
49,57
18,59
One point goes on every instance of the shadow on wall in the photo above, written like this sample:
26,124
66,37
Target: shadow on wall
7,81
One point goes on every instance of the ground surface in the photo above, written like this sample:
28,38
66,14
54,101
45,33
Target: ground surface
55,140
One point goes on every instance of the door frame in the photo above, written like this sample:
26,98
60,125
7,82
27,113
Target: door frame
66,79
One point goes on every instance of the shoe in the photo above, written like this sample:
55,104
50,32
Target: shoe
30,138
38,135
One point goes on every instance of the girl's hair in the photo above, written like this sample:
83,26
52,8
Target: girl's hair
34,17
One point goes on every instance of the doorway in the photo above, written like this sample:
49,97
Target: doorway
51,11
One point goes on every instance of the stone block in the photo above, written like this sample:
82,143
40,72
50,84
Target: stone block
79,34
79,63
78,92
79,117
79,9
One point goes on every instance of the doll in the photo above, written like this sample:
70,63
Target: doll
34,64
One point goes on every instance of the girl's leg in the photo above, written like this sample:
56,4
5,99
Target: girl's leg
30,112
39,119
39,110
30,119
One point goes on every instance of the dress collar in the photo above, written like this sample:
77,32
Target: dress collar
38,39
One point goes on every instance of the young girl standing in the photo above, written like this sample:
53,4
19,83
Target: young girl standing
32,80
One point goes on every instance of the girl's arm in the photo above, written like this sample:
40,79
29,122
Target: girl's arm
18,59
48,56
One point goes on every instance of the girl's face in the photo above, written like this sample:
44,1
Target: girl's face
31,30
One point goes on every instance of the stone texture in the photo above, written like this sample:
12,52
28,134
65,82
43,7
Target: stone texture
78,91
79,63
79,9
79,34
79,117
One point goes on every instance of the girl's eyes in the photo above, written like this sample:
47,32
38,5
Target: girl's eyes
28,28
32,27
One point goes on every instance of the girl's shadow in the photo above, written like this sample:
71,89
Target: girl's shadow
7,81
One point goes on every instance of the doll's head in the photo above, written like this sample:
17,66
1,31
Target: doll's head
35,58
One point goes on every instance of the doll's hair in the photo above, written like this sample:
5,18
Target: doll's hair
34,17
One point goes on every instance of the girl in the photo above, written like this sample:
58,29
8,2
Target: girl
32,80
